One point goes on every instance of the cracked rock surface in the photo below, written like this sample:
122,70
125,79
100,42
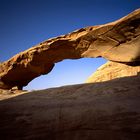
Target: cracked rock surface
116,41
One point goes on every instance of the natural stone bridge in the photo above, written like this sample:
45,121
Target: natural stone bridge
117,41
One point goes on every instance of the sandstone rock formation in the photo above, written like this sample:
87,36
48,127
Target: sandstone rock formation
117,41
112,70
98,111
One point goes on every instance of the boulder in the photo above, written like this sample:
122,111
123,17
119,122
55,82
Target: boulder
116,41
112,70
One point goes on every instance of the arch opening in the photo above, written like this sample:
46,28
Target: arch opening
67,72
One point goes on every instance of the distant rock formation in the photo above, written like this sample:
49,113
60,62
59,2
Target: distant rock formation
117,41
98,111
112,70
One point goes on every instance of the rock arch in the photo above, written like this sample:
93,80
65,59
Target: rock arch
117,41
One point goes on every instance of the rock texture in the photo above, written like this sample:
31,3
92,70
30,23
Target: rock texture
112,70
100,111
117,41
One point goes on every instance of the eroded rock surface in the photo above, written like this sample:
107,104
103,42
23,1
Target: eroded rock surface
116,41
112,70
100,111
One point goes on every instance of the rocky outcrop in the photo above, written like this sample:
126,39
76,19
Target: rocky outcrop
112,70
98,111
117,41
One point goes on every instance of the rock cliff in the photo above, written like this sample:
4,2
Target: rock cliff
117,41
112,70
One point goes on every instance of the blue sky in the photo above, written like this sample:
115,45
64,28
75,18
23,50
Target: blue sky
25,23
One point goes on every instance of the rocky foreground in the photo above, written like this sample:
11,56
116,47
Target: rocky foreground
98,111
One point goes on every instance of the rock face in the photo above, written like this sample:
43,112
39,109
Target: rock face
117,41
112,70
98,111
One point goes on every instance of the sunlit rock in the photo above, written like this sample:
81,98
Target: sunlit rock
117,41
113,70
